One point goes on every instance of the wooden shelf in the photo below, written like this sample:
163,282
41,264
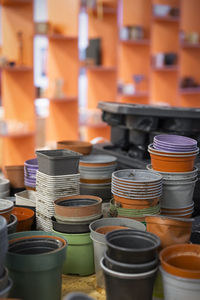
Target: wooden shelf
166,69
57,36
190,45
144,42
189,91
101,68
18,69
18,135
136,95
166,19
64,99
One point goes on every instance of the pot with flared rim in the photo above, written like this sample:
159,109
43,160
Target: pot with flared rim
138,176
138,286
136,198
129,268
138,187
132,246
168,175
97,159
173,139
133,190
152,150
174,150
77,219
135,194
184,208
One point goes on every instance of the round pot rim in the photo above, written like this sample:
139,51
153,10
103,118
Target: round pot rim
3,223
64,244
158,179
129,197
177,269
126,275
99,200
149,235
110,159
157,138
195,170
152,149
183,157
178,277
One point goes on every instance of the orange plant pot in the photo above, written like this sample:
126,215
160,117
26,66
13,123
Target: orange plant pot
170,230
25,217
78,146
172,164
142,219
182,260
15,174
6,214
129,203
93,181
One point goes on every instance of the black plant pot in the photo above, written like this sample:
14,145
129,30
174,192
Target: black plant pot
132,246
129,268
128,286
70,227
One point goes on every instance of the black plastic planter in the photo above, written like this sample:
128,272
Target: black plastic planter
70,227
34,262
128,286
132,246
78,296
129,268
3,243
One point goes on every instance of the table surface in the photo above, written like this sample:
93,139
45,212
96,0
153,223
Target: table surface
85,284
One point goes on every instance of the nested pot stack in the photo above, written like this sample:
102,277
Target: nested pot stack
30,170
4,188
96,171
130,264
178,172
136,193
72,218
57,177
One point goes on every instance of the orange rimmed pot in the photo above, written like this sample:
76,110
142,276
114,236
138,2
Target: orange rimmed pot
150,148
129,203
170,230
25,218
182,260
78,146
165,163
6,208
106,229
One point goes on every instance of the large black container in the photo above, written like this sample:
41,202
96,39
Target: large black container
129,268
132,246
128,286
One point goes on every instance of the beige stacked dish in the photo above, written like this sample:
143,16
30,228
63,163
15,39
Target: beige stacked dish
178,172
136,193
96,171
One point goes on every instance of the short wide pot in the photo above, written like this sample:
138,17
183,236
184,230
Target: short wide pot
128,286
80,257
36,268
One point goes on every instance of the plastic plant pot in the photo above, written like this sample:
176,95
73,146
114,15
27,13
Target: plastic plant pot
12,225
132,246
97,160
6,207
181,260
16,175
128,286
25,218
58,162
129,268
78,146
175,140
182,176
78,296
137,177
170,230
78,206
179,288
99,241
36,257
80,257
4,185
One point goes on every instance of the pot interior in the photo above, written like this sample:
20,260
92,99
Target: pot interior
35,245
132,242
77,202
187,262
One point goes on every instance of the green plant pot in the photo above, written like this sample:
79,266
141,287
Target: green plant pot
80,256
36,275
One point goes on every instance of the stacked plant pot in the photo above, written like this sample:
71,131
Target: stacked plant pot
4,188
96,171
57,177
30,170
98,230
173,157
5,281
180,269
130,264
72,218
136,193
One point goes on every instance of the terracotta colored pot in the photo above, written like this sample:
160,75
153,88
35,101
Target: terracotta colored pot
16,175
170,230
126,201
93,181
25,217
172,164
106,229
182,260
186,215
78,146
78,206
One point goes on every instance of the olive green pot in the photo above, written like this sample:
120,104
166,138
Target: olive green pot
80,256
36,276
